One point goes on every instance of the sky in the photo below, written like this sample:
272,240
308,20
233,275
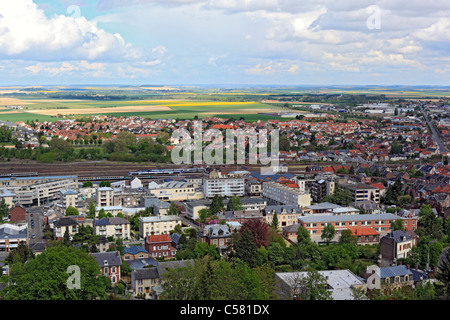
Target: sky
194,42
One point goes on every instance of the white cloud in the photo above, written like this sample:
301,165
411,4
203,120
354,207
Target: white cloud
26,33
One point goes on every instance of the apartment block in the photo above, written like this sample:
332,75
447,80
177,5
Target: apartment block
112,227
105,197
284,194
157,225
362,192
225,187
177,191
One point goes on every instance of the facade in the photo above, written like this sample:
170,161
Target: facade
68,198
365,236
143,281
193,207
316,223
286,195
134,252
286,215
395,245
177,191
389,279
44,192
112,227
321,188
216,234
223,187
65,223
160,246
157,225
12,235
17,214
362,192
109,263
105,197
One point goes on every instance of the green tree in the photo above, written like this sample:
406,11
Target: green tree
87,184
313,286
245,248
397,225
71,211
173,210
91,208
105,184
443,274
20,254
234,204
216,205
347,237
4,209
275,223
303,236
46,277
328,233
276,253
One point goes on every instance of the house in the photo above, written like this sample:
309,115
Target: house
395,245
340,283
160,246
134,252
112,227
217,234
365,236
64,224
287,215
109,263
17,214
142,282
388,279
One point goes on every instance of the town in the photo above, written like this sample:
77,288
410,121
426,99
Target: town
359,204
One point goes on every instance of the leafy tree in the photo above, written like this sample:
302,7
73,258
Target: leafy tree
443,274
397,225
275,223
105,184
46,277
245,247
87,184
20,254
259,230
328,233
428,223
71,211
313,286
234,204
91,208
216,205
276,253
303,236
173,210
347,237
4,208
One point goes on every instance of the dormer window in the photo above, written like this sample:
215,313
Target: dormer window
105,262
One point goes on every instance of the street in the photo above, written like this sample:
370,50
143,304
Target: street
437,140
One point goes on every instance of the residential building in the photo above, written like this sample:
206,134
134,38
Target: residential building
340,284
287,215
112,227
160,246
365,236
216,234
109,263
285,194
321,188
143,281
225,187
388,279
395,245
105,196
362,192
12,235
177,191
157,225
68,198
17,214
316,223
62,224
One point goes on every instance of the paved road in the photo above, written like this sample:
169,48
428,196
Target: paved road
437,140
37,215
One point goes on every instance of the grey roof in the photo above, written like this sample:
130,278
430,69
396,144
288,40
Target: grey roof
399,236
134,250
164,266
279,208
65,221
111,257
111,221
217,231
389,272
141,263
146,273
324,206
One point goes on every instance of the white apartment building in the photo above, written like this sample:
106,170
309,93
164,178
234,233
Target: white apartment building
68,198
105,197
225,187
157,225
176,191
112,227
286,195
44,192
